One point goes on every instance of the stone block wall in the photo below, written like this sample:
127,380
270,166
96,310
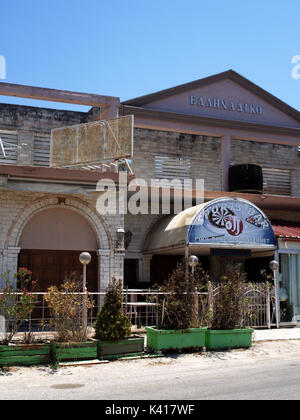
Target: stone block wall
17,207
204,153
30,121
270,155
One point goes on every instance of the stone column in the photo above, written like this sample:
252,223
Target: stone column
10,261
118,271
226,160
1,267
104,268
104,273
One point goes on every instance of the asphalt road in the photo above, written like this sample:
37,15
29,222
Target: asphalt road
266,371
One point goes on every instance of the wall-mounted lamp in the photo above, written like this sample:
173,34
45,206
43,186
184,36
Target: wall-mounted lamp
120,238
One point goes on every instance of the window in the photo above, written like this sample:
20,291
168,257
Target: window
10,146
277,181
41,150
172,167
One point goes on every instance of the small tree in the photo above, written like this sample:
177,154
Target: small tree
66,307
16,304
231,304
178,299
112,323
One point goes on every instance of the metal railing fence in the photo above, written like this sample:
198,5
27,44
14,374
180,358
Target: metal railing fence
142,308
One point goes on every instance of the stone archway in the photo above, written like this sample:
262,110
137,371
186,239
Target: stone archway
58,228
51,242
97,223
96,234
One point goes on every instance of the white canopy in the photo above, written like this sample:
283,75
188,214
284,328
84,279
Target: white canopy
221,223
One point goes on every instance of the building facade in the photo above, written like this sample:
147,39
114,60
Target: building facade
196,131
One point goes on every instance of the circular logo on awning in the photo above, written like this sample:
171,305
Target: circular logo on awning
231,221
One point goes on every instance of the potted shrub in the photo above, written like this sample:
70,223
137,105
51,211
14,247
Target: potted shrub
230,309
113,327
66,309
178,313
16,305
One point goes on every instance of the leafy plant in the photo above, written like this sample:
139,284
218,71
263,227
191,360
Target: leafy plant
24,279
16,304
112,323
231,304
179,300
66,309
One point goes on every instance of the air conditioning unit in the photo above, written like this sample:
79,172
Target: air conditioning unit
246,178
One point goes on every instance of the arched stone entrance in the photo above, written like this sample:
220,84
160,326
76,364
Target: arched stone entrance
104,256
51,242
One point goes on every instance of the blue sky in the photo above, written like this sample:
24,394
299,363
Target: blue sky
129,48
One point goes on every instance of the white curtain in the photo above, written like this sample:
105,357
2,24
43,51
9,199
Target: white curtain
290,280
294,284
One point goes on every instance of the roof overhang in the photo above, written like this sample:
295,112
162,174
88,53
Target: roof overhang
57,174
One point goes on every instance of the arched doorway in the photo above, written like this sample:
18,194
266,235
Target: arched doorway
51,242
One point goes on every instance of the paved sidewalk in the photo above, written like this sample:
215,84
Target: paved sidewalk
277,334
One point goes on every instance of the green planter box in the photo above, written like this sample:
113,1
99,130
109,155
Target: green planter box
112,349
175,339
24,355
225,339
36,354
74,351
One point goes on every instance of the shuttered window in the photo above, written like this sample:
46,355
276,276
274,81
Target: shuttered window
277,181
41,150
10,145
172,167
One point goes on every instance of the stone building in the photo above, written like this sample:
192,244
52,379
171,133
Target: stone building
195,131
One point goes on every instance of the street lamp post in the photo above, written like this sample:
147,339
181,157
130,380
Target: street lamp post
193,262
85,259
274,266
